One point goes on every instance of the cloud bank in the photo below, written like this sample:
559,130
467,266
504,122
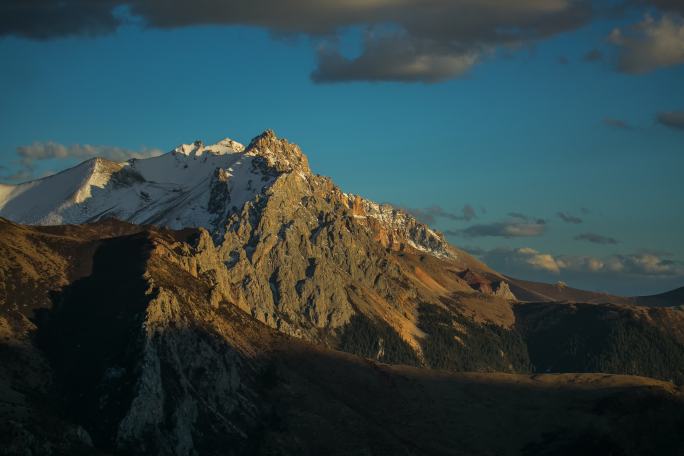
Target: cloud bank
568,218
637,264
406,40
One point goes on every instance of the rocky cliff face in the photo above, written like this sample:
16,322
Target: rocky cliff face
488,285
304,258
397,230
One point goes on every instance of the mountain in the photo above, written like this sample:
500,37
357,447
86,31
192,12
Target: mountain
173,190
116,340
297,253
200,302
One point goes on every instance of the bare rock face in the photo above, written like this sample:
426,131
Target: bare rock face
303,257
316,263
192,375
477,281
278,154
502,290
487,285
296,253
396,229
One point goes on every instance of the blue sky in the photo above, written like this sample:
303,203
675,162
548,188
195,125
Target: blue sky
523,131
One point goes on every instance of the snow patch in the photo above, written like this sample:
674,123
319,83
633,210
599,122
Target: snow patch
172,190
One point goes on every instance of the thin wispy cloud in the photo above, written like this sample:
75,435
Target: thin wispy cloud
28,156
673,119
473,250
517,225
430,214
568,218
596,238
617,123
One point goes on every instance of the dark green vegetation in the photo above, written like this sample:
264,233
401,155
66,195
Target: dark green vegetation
594,338
457,343
453,342
546,338
376,340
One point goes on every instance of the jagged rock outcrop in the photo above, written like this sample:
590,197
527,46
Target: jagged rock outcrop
502,290
278,154
398,230
487,285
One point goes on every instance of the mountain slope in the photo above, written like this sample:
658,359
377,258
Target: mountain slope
143,352
177,189
667,299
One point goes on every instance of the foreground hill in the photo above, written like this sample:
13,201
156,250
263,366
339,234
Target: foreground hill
119,341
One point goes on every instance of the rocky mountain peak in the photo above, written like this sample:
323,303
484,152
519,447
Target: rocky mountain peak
278,153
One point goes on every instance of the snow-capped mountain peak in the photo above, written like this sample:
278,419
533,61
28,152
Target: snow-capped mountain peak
194,185
198,185
197,148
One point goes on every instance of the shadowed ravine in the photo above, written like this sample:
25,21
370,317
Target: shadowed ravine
91,336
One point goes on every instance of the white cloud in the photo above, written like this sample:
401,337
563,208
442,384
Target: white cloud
650,44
